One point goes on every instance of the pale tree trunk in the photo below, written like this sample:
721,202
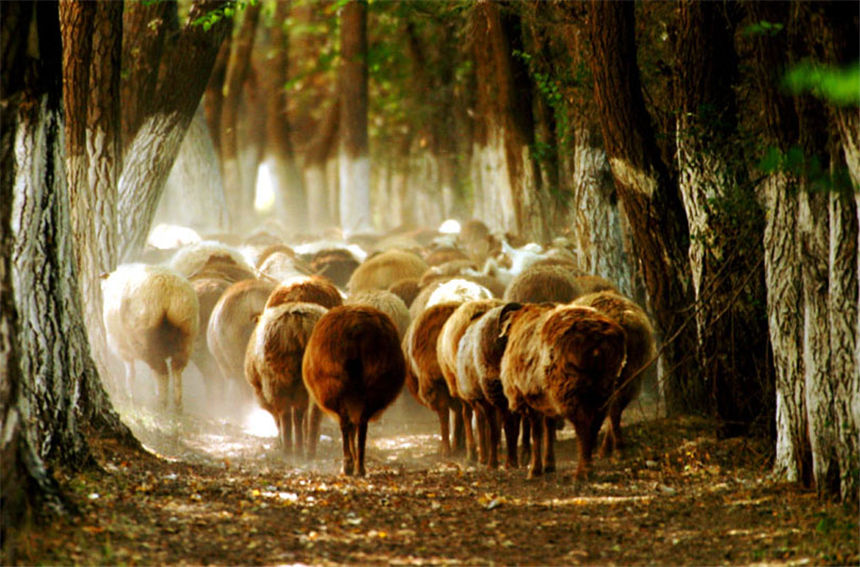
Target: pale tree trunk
503,172
92,51
814,237
290,203
354,158
150,156
195,178
239,191
321,196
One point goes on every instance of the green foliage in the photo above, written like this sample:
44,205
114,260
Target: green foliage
839,86
809,169
763,28
213,17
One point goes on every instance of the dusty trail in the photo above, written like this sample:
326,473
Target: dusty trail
221,495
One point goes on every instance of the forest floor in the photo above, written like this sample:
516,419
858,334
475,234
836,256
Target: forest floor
212,493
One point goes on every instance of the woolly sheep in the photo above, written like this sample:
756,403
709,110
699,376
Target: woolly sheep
273,366
467,391
191,258
151,314
388,303
641,351
560,361
310,289
543,283
382,270
353,368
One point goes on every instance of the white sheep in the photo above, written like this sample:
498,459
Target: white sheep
189,259
151,314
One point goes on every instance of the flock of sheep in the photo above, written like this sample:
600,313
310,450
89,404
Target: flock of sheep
516,338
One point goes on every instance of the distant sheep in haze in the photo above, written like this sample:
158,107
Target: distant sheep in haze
151,314
384,269
310,289
388,303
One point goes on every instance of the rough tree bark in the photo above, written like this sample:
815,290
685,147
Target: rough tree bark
811,236
239,191
322,210
291,206
91,66
153,150
26,487
506,178
724,219
649,196
353,158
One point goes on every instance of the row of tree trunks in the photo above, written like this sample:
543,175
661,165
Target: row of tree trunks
649,196
149,158
811,237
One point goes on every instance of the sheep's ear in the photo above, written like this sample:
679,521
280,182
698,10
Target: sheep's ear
505,318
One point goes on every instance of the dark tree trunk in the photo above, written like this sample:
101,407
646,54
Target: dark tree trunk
354,160
506,179
151,154
725,221
650,198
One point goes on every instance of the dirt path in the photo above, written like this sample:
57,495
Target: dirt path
219,495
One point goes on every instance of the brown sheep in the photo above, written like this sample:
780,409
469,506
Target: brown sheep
477,241
208,291
641,351
406,289
224,267
444,255
309,289
388,303
560,361
230,326
537,284
593,284
273,366
353,368
151,314
429,386
382,270
447,347
479,360
337,264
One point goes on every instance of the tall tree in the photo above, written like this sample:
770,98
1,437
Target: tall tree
810,237
92,42
290,201
649,195
354,160
188,60
509,196
724,219
30,53
239,191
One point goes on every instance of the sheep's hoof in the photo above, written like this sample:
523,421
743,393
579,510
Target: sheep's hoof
534,473
347,469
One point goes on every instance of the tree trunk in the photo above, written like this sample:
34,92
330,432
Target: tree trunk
503,171
812,235
145,26
354,159
92,52
26,488
239,191
322,210
290,203
154,148
724,218
649,196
